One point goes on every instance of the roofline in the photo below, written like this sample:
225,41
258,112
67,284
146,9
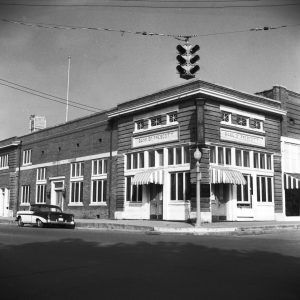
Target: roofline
14,144
204,91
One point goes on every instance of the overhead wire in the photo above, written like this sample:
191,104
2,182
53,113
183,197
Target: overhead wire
152,6
48,96
144,33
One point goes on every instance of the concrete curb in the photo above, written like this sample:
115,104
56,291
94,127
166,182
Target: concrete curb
235,230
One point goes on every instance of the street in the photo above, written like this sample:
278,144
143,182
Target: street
81,264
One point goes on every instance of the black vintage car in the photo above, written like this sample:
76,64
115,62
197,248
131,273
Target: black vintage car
44,214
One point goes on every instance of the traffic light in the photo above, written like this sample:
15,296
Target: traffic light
187,59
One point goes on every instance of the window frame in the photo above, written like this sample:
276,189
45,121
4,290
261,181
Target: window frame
185,189
4,162
169,118
27,157
259,189
40,194
103,196
25,194
129,191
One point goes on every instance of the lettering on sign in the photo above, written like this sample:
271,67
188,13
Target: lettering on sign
155,138
242,137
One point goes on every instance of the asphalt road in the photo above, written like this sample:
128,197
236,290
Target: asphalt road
81,264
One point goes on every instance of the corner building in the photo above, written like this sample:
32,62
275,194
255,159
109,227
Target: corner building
238,135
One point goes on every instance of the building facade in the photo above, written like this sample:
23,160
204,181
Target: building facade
290,151
70,165
136,161
9,154
238,135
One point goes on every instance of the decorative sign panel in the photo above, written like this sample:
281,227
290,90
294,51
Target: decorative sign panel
242,137
155,138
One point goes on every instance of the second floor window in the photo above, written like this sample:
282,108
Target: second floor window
140,124
99,167
77,170
27,157
242,121
3,161
172,117
226,117
156,121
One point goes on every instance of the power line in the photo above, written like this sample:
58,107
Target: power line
144,33
151,6
37,91
39,94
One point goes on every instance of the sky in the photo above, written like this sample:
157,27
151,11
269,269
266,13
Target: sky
108,68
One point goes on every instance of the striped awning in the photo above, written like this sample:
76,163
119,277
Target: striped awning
219,174
291,181
150,176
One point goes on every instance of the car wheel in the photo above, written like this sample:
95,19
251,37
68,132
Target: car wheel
39,223
20,222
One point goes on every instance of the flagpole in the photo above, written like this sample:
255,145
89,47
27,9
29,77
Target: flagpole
68,87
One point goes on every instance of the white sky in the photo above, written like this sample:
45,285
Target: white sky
107,68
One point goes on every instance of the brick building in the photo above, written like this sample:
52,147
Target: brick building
9,153
238,135
136,161
290,150
69,165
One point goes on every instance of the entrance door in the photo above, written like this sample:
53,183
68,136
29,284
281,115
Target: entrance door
156,201
59,198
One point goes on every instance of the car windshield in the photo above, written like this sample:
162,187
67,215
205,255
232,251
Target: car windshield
46,208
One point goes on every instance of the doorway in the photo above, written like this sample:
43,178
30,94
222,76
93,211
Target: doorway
156,201
57,193
4,203
292,202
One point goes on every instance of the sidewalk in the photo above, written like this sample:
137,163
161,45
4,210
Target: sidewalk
158,227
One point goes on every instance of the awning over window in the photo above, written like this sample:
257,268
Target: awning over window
219,174
292,181
151,176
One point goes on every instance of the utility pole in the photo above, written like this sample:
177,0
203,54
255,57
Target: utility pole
68,87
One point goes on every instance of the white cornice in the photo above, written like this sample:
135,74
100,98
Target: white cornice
208,92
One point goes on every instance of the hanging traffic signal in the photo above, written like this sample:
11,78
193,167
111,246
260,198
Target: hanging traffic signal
187,59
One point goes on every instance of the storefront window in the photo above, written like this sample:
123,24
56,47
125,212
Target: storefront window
213,154
178,156
151,158
160,156
269,161
134,161
264,189
256,165
134,193
170,156
180,186
186,155
220,156
141,160
228,156
246,158
238,157
244,191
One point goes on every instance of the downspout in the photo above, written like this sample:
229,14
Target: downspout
19,177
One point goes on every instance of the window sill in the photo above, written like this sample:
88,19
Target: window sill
98,204
25,204
4,168
28,164
75,204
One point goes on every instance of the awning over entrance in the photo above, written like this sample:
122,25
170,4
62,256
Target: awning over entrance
219,174
151,176
292,181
